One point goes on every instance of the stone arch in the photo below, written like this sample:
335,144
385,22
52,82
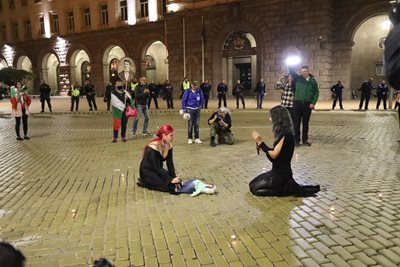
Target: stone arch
77,58
221,66
50,71
112,54
157,70
363,14
368,50
3,62
24,63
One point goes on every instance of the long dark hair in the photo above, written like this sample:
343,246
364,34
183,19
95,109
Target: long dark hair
281,121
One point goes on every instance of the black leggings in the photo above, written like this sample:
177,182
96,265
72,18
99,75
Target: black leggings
24,123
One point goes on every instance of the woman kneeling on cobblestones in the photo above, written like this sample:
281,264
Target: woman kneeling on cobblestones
152,174
279,181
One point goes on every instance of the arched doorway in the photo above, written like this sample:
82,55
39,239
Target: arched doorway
368,50
79,67
3,63
50,71
156,62
239,60
111,61
24,63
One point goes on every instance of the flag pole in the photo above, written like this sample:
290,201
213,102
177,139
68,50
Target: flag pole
184,48
202,48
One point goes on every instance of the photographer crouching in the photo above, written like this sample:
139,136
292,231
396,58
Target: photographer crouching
220,124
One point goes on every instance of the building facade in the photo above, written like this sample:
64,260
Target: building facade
66,42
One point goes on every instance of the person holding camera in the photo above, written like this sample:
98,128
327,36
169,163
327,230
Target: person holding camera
142,93
220,124
90,95
337,94
279,181
20,102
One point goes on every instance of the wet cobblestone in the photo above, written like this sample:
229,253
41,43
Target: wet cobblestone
68,195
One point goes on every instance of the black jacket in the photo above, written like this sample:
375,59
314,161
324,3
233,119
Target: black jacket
140,96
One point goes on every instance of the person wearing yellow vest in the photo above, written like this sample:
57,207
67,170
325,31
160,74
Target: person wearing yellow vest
132,88
74,91
185,86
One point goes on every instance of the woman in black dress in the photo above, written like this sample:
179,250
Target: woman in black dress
279,181
152,174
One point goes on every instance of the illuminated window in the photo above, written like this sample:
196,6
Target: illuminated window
11,4
86,17
70,21
144,8
3,33
41,23
28,29
56,23
123,7
14,31
104,14
24,2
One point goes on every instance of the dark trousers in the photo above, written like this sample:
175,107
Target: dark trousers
382,97
124,123
91,99
206,97
221,97
366,97
260,97
169,99
340,102
302,113
193,123
154,97
74,99
291,113
237,100
108,103
24,123
45,99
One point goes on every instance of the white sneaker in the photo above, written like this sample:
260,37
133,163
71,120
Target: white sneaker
197,141
190,141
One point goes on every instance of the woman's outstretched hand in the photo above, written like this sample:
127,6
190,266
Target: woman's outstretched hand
256,136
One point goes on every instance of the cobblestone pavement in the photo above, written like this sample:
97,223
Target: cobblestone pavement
68,195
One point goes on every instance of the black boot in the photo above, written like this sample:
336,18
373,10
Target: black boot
212,141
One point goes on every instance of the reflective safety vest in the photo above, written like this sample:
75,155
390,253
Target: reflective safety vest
75,91
185,85
133,86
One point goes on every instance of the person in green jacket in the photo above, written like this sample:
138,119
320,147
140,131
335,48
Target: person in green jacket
305,98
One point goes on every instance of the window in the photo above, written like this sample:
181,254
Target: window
103,14
70,21
24,2
56,23
14,31
86,17
3,33
144,8
41,23
11,4
379,69
28,29
123,7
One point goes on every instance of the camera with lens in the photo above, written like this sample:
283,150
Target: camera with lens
219,118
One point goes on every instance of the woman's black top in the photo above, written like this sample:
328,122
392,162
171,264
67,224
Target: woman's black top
153,175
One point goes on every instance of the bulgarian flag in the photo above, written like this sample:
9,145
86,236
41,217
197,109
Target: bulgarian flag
118,108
